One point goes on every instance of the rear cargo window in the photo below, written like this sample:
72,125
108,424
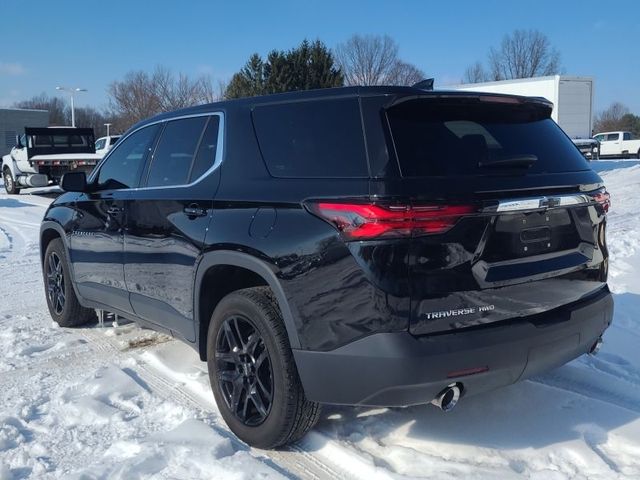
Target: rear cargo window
434,138
312,139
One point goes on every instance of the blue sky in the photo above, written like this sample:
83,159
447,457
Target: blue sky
89,44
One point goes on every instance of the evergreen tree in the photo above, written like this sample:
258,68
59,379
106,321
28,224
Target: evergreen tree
249,81
309,66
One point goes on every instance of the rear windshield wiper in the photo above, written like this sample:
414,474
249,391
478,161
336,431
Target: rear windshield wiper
524,161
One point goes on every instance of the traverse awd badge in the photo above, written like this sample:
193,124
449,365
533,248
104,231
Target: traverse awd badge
459,311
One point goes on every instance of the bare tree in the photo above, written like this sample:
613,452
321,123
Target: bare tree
523,54
475,74
133,98
405,74
373,60
90,117
140,95
611,119
59,113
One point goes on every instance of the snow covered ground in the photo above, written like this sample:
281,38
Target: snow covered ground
121,402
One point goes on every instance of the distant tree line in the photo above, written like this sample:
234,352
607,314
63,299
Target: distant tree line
140,95
617,117
60,112
360,60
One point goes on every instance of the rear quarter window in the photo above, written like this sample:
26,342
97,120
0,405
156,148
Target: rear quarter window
322,138
171,161
449,138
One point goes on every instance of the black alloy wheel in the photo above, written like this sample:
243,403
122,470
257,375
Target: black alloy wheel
64,307
245,375
56,289
253,373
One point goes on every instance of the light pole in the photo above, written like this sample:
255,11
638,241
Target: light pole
107,125
71,91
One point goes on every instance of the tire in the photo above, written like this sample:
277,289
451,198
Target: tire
10,183
63,304
271,408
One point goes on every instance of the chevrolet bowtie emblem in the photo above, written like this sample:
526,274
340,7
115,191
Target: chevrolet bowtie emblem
549,202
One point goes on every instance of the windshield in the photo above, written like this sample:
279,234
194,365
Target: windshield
442,138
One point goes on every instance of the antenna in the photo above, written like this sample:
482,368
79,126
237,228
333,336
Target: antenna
426,84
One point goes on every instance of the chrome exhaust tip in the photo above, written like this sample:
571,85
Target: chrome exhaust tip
447,398
595,348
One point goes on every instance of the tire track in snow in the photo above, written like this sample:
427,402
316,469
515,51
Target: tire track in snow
571,384
294,459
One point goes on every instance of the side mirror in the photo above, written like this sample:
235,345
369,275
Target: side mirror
74,182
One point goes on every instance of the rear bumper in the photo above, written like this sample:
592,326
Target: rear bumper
398,369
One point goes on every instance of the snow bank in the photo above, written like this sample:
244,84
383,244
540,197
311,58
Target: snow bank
108,424
75,407
190,450
125,403
623,231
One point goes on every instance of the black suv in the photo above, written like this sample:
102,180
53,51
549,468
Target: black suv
378,246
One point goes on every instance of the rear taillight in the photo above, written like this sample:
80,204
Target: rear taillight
603,198
359,221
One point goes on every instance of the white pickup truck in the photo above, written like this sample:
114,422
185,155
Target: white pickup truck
104,144
42,155
618,144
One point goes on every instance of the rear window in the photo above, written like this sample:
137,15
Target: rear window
61,141
312,139
434,138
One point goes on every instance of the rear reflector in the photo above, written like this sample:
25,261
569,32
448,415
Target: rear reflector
366,221
604,199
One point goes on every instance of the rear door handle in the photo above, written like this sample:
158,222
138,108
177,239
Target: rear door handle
194,211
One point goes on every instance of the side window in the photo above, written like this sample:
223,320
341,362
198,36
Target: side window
100,144
123,166
626,136
206,155
176,148
599,138
319,138
612,137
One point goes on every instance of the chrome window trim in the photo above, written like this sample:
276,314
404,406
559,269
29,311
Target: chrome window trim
216,163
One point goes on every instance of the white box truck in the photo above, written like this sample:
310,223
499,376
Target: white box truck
572,99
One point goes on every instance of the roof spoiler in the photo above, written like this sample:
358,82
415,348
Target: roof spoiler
475,96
